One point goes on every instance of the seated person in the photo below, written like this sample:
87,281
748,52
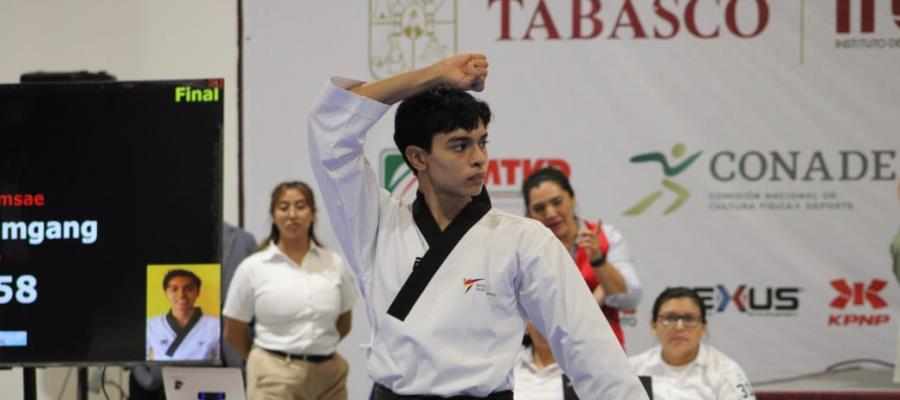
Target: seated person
536,376
682,367
183,333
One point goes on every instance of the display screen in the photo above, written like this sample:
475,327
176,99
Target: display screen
110,222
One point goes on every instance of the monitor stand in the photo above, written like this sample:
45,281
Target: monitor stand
29,383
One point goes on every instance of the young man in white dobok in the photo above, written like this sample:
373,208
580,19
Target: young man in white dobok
449,281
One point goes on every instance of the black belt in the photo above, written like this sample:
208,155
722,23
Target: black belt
383,393
300,357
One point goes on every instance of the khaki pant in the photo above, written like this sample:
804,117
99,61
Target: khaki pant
272,377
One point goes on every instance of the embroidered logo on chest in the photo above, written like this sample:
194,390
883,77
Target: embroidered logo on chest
479,284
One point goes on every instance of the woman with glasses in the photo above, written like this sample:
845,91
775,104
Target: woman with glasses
682,367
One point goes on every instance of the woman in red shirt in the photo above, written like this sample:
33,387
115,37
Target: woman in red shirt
598,249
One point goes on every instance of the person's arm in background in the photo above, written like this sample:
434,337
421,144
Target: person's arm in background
239,310
348,298
611,281
628,288
344,323
237,335
237,244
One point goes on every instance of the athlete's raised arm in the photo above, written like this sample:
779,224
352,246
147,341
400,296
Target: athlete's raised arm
466,71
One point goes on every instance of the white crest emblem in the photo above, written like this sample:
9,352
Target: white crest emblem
408,34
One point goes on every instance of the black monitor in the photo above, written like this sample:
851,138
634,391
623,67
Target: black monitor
105,188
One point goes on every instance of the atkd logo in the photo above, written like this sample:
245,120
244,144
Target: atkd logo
858,295
503,175
751,299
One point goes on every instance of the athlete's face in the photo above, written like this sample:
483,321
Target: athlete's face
680,339
182,293
555,208
292,215
457,163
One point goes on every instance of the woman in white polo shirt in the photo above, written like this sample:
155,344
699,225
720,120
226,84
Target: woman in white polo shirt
301,296
683,368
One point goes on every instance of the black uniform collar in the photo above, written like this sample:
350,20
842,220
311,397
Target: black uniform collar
440,244
181,333
466,218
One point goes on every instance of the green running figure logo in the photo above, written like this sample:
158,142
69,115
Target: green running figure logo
670,171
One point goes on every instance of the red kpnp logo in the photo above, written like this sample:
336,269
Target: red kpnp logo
858,293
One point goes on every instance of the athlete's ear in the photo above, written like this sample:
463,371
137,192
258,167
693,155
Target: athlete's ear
418,157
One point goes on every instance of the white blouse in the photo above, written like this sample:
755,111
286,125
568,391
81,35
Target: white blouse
712,375
296,306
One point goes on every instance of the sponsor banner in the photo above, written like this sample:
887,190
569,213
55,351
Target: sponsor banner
746,148
768,180
504,177
858,304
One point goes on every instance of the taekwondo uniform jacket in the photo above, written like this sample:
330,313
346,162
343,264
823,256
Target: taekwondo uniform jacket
198,341
463,334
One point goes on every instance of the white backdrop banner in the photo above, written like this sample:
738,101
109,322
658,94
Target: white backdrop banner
747,148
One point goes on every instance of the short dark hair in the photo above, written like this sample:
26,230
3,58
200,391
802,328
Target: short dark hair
440,109
180,272
677,293
543,175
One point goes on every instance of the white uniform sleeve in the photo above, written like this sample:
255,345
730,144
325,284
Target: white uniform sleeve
619,257
337,127
149,339
215,344
348,291
556,299
240,301
733,384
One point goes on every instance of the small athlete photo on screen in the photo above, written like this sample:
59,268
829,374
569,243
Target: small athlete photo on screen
183,316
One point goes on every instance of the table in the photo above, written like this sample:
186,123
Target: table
846,384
